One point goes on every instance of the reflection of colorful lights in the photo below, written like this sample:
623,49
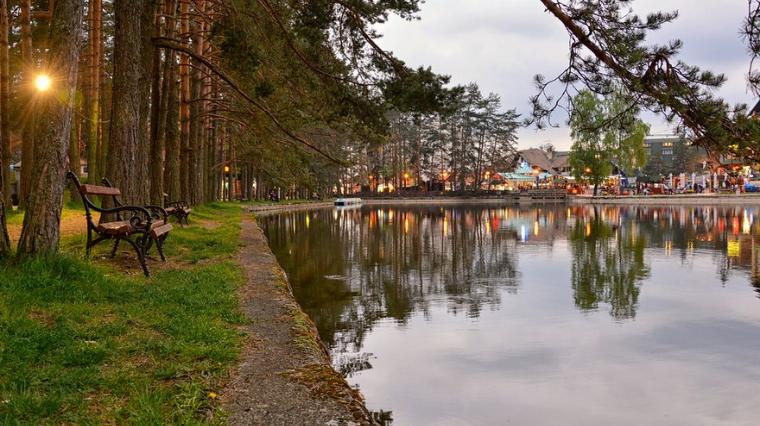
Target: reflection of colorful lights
668,247
588,229
535,228
734,248
307,220
523,233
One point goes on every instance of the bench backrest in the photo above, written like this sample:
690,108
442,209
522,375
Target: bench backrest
99,190
86,190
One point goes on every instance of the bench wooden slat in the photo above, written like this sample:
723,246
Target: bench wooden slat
100,190
115,228
160,230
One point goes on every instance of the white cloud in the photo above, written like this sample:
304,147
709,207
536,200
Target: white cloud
502,44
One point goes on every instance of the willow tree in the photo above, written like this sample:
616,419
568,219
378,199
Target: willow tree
40,232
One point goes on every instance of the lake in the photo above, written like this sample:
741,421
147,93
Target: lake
544,315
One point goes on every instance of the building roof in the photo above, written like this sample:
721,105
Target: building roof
561,160
537,157
548,162
755,110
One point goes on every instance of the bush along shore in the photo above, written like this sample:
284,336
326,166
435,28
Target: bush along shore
94,341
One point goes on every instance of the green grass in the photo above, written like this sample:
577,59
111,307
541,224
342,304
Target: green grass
83,342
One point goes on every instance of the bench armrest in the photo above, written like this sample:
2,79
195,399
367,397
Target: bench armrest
158,212
118,209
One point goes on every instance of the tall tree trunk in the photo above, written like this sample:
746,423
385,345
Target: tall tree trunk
94,166
41,230
147,32
5,153
184,109
123,159
171,109
27,130
157,122
196,108
5,131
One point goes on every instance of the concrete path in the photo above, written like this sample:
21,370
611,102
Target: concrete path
285,376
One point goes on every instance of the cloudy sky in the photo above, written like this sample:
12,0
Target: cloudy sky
502,44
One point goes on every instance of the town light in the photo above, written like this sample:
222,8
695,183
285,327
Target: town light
588,170
42,83
226,169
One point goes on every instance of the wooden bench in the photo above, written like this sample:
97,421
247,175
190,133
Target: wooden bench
136,225
179,209
160,226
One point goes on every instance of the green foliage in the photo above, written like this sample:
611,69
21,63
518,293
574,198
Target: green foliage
80,344
608,48
589,159
605,132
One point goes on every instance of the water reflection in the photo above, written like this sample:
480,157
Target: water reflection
608,264
392,273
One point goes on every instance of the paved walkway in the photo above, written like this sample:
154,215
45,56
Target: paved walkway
285,377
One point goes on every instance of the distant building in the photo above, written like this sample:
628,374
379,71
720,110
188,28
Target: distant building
671,154
551,162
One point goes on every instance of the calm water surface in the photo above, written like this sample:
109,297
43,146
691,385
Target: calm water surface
536,316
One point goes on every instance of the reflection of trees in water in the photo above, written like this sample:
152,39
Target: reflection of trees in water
608,266
353,268
397,261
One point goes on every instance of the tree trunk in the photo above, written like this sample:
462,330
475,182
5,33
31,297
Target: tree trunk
184,109
93,100
27,131
144,159
41,230
171,108
197,142
123,159
5,131
5,152
157,122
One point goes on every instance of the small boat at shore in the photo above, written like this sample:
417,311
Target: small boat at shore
348,201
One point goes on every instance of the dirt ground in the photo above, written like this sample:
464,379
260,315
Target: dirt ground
70,225
285,376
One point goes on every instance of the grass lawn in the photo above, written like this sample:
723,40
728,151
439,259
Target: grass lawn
81,341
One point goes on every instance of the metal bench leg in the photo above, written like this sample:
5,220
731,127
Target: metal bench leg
160,247
88,246
148,245
140,256
115,247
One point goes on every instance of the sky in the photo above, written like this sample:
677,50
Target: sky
502,44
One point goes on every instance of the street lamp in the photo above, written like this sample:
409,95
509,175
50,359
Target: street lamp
406,180
42,83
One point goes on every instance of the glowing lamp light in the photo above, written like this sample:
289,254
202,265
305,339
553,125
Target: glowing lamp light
42,83
588,170
226,169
